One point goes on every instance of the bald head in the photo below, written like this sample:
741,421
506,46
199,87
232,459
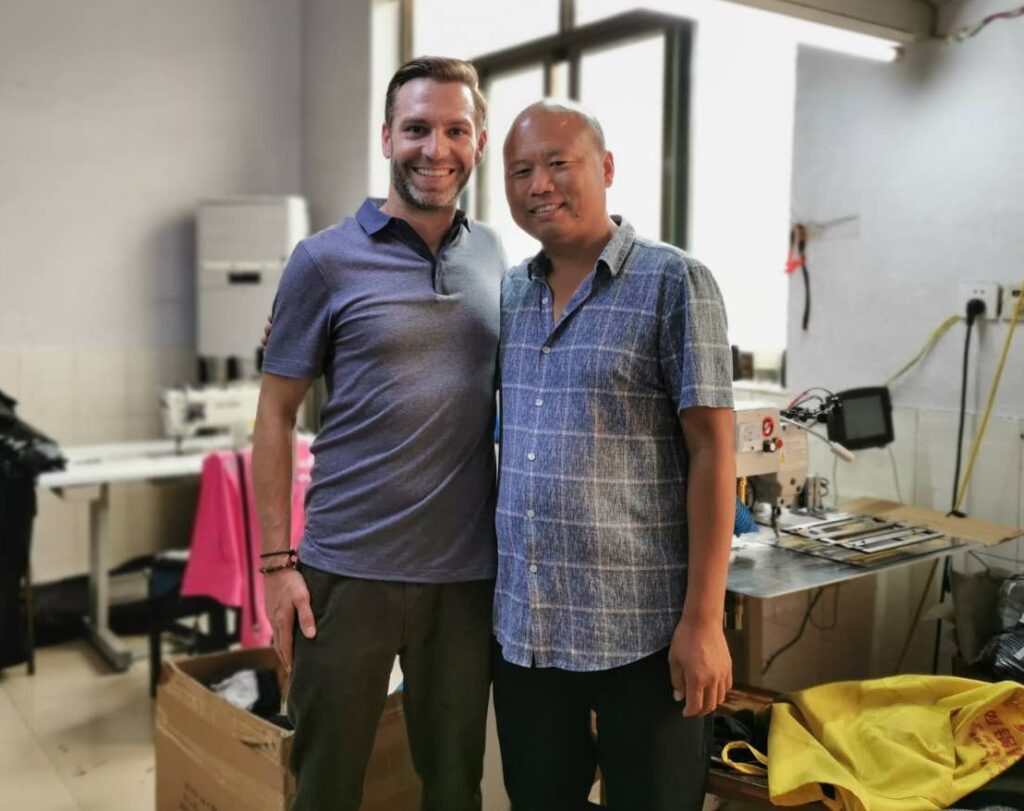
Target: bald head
572,112
557,172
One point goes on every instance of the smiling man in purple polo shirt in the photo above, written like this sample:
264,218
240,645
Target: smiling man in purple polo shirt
398,309
616,499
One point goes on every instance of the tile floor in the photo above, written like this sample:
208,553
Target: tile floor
76,737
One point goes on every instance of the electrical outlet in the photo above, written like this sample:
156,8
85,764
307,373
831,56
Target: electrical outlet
1011,295
988,292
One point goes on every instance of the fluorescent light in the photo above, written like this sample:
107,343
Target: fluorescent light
848,42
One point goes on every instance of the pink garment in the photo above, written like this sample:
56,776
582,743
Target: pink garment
218,566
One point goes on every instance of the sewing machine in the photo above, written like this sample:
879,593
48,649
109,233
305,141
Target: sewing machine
228,408
772,457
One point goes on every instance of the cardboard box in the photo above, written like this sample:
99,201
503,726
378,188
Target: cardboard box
212,756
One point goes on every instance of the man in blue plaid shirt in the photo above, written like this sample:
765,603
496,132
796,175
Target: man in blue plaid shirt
616,491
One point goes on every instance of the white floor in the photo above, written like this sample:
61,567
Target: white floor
76,737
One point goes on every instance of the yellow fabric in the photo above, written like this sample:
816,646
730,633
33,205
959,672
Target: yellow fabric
904,743
743,766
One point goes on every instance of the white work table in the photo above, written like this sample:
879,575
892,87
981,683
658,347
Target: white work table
90,471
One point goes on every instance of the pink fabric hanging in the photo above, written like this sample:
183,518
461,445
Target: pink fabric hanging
218,565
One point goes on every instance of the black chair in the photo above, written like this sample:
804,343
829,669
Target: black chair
167,609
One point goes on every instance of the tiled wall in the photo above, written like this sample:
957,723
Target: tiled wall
875,612
82,397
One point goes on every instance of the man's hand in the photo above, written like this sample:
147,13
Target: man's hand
701,666
285,594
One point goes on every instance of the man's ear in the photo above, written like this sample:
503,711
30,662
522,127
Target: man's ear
481,142
385,140
609,169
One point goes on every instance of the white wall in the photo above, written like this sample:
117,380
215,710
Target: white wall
115,119
336,107
926,153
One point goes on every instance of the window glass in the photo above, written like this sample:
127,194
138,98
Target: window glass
506,98
466,29
632,123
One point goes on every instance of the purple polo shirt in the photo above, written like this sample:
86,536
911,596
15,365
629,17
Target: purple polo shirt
403,483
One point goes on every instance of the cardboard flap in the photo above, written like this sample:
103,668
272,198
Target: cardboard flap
969,529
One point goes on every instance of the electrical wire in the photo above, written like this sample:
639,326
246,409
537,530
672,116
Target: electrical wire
798,259
835,481
917,616
978,556
963,409
1018,312
831,624
968,31
895,474
932,340
803,627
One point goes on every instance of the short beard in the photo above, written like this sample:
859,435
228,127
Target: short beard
414,198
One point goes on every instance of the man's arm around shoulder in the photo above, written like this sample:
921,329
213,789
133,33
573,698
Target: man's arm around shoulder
273,454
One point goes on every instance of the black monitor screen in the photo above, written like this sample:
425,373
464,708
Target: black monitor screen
863,419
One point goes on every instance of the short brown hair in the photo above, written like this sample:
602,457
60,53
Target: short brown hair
440,69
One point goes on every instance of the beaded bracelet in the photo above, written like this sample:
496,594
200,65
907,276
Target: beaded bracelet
271,569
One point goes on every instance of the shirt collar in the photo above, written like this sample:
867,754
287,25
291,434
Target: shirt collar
372,219
613,257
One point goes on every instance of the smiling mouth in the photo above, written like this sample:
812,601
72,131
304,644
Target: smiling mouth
433,172
547,208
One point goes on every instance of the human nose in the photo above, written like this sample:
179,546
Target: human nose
436,146
540,181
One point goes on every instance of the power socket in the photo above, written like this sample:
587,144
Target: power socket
988,292
1011,295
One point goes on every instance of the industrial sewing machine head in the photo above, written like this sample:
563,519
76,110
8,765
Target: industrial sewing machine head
229,408
771,458
772,453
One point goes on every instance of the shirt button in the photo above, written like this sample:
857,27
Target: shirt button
531,456
538,402
544,300
533,568
546,350
530,513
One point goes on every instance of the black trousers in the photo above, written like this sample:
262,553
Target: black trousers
442,634
651,758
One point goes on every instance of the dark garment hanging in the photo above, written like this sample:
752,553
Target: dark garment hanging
17,511
24,454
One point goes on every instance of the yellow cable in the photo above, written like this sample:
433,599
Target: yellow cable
938,333
980,434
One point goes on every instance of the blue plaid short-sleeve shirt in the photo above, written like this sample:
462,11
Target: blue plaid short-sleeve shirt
591,520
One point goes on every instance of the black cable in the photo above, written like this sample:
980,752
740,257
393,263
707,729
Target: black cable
803,627
975,307
798,259
831,625
807,292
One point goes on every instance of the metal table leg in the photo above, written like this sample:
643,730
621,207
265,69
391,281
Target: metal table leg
97,623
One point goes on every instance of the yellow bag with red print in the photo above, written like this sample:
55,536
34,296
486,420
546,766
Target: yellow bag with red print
904,743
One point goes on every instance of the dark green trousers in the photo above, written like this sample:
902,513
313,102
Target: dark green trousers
442,635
